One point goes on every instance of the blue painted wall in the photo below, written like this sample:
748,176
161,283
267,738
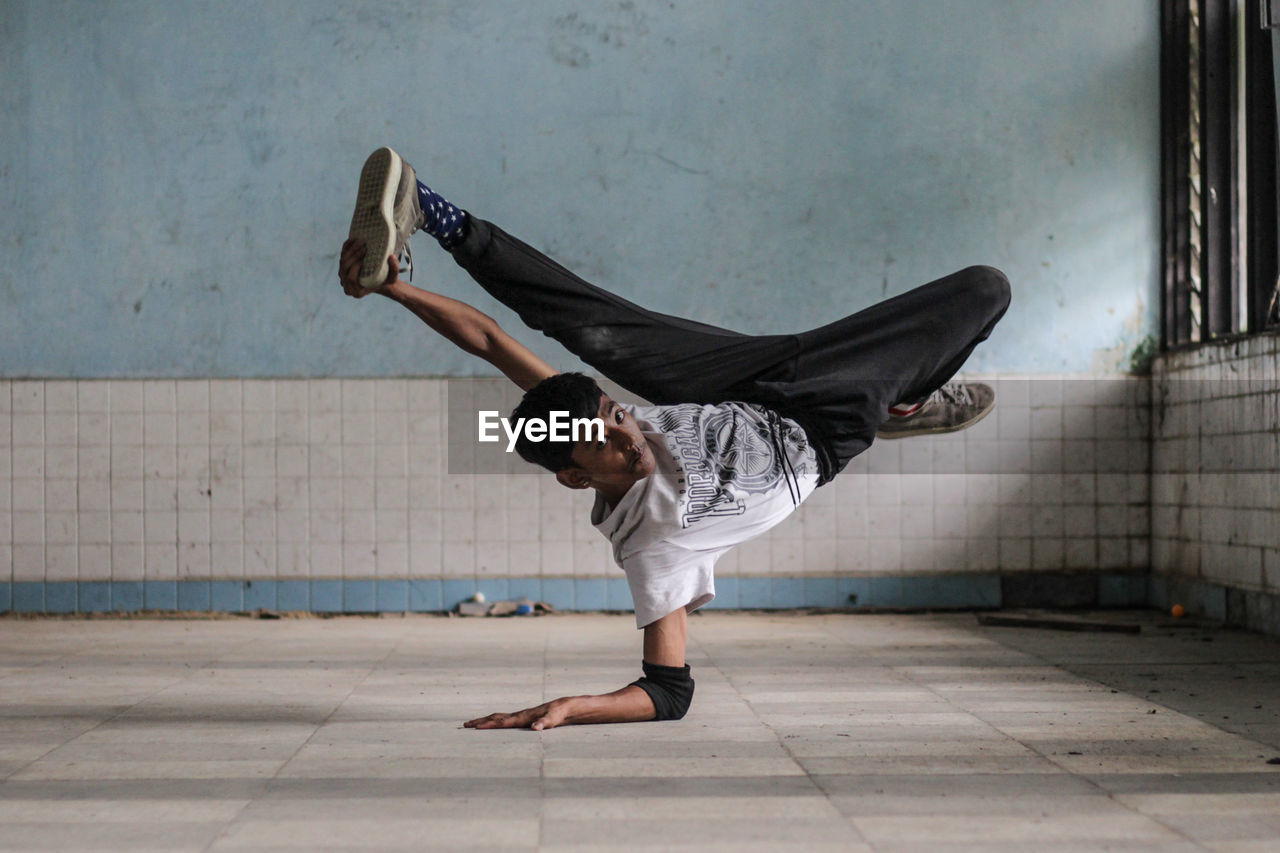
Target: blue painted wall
178,175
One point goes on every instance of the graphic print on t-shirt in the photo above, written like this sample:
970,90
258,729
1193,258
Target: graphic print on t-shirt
724,473
728,452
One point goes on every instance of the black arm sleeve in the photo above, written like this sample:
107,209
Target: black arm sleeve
670,688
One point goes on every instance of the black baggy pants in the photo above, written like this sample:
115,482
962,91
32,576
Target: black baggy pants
837,381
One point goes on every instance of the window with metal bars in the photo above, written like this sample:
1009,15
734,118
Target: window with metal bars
1219,158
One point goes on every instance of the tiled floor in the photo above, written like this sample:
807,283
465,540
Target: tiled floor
866,732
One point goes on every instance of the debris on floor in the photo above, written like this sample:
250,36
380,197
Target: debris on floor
1055,622
518,607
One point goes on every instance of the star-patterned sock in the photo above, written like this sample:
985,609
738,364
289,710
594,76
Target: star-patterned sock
448,224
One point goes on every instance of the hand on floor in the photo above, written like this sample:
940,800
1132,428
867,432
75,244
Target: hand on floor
545,716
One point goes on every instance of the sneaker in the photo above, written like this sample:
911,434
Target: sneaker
407,212
952,407
387,212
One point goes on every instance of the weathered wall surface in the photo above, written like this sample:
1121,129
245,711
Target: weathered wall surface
178,176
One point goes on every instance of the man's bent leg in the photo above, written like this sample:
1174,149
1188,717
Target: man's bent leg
848,373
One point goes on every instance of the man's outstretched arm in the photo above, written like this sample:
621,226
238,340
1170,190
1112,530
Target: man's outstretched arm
471,330
664,647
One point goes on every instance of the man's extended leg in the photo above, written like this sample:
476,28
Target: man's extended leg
662,358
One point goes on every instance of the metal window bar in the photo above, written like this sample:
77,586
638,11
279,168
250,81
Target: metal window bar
1220,261
1195,177
1262,155
1175,167
1203,98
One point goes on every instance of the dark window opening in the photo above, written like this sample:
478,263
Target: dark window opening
1218,168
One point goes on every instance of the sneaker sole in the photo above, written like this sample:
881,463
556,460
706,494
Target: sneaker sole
407,198
374,219
939,429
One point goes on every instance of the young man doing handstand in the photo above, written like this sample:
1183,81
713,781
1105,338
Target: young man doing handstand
742,427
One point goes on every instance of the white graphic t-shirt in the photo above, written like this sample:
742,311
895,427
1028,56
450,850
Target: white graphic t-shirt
723,474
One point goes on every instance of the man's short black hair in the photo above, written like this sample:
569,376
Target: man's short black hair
575,393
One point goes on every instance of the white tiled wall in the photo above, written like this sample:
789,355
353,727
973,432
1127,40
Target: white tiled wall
1216,458
1055,478
259,479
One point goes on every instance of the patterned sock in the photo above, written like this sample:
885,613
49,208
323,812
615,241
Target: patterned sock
446,223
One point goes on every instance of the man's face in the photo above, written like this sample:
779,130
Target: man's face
623,457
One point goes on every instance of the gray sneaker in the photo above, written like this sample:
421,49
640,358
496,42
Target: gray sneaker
387,212
952,407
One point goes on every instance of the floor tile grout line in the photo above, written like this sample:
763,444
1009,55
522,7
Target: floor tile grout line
542,740
266,783
851,820
1109,795
826,795
1074,667
105,720
902,671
